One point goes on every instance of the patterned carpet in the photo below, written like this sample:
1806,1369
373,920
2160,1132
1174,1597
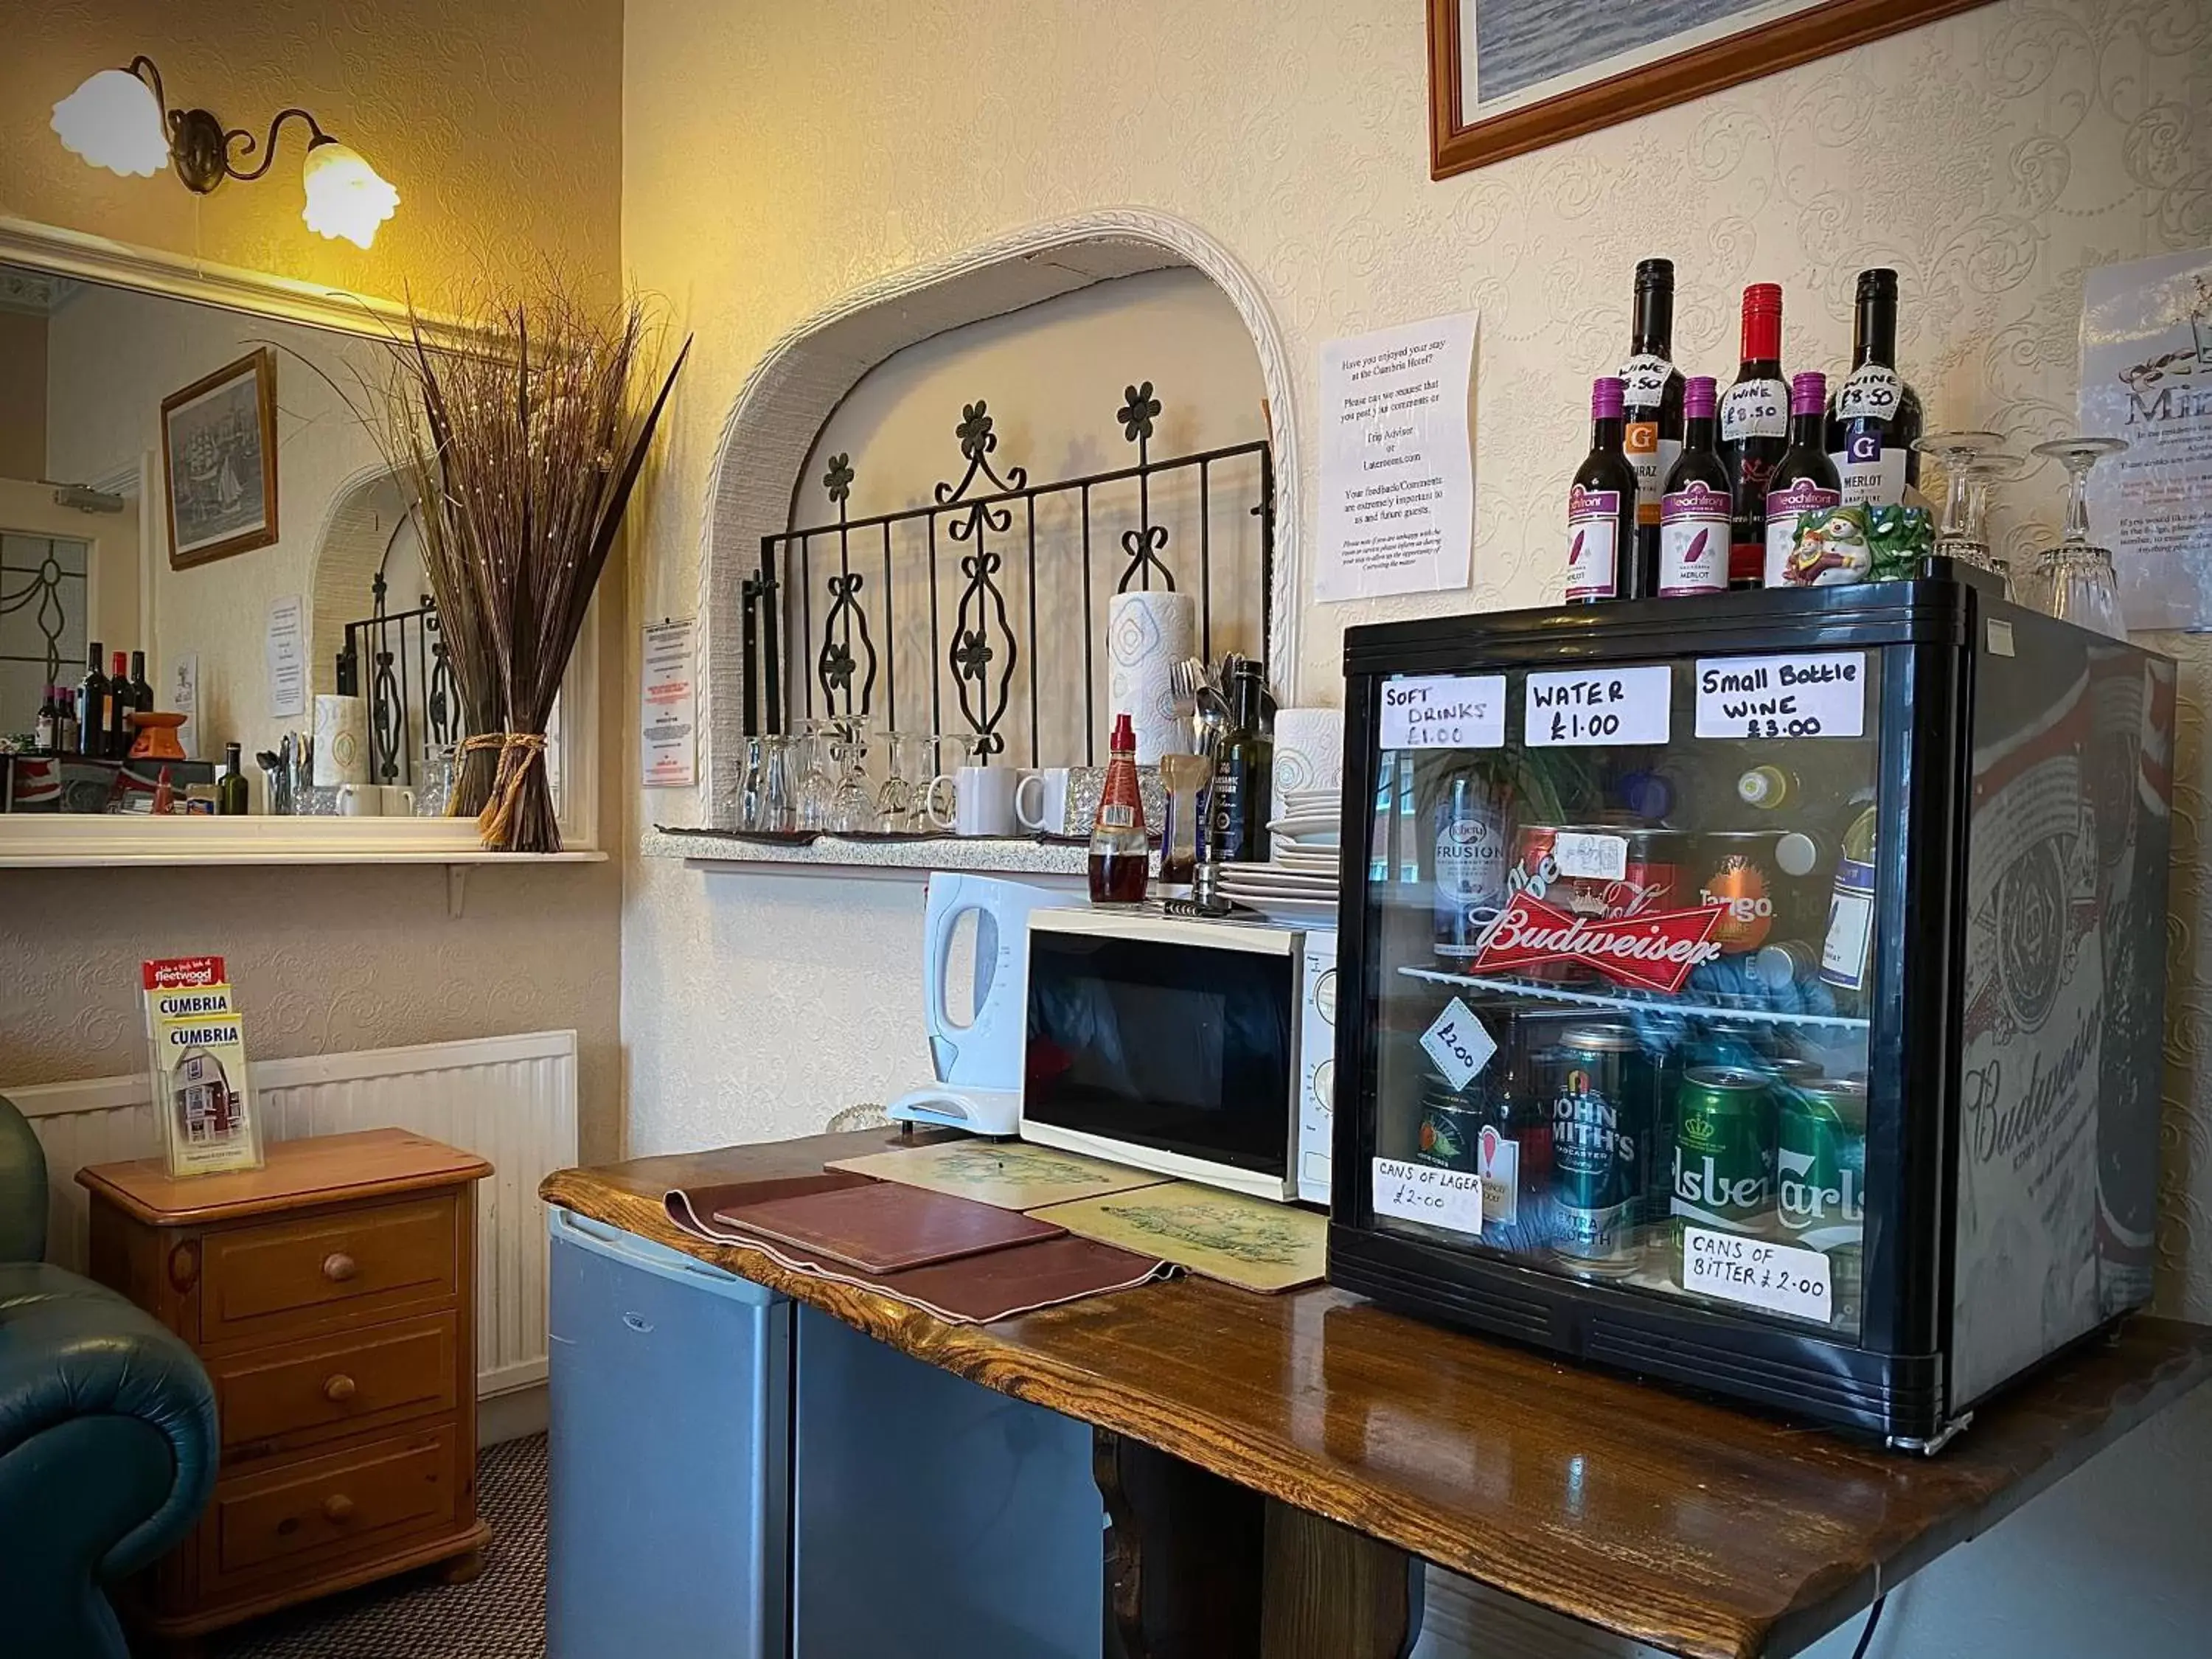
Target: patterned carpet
500,1616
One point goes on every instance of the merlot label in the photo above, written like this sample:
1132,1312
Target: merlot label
1593,543
1784,506
1643,379
1872,475
1694,541
1653,458
1871,393
1755,409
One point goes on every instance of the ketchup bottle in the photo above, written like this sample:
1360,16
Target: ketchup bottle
1119,846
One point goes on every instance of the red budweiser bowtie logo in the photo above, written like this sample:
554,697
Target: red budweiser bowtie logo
1654,951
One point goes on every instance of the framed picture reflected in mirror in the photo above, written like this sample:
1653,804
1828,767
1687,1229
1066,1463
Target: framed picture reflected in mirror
219,462
1506,77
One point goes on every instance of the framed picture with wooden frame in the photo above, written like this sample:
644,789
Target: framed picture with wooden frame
1506,77
219,462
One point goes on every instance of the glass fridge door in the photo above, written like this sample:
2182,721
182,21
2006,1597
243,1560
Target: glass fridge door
1622,924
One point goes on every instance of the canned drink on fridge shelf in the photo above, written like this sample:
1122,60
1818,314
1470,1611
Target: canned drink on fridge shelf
1601,872
1723,1153
1820,1177
1757,878
1603,1088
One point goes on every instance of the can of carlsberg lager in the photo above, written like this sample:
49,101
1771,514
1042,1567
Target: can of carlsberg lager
1723,1152
1819,1153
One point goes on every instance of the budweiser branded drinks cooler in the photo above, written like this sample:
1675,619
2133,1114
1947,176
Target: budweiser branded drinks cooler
1763,993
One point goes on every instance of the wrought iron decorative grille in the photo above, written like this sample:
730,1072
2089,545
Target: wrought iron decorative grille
410,686
979,614
42,607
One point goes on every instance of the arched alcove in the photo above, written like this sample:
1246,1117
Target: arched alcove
803,377
366,513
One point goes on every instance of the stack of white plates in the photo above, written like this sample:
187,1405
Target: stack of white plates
1300,881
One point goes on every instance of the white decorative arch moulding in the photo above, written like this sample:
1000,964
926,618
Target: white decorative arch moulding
805,374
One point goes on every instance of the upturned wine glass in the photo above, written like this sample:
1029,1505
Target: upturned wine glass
1971,462
2074,580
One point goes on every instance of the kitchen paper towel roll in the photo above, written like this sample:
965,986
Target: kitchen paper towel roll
1309,751
341,741
1146,634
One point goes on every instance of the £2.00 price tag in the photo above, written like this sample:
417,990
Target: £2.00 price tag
1459,1044
1451,1199
1779,1277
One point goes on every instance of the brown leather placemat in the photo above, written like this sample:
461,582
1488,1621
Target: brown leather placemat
882,1228
971,1290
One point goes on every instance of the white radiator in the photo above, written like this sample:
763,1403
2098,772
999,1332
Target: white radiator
511,1100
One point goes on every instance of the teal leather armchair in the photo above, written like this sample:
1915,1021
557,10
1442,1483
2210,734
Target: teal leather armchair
108,1433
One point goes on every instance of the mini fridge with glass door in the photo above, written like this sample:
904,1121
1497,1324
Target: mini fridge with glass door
1762,993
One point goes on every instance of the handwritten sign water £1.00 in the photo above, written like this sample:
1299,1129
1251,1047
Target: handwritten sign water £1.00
1582,707
1815,695
1444,711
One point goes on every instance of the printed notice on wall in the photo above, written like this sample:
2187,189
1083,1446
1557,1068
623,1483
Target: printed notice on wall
668,717
1818,695
1397,469
285,649
184,696
2146,379
1444,711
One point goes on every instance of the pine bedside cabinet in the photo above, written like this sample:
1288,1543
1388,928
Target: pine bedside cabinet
332,1295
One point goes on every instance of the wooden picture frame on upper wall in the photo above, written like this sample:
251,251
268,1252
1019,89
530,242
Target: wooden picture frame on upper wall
219,462
1507,76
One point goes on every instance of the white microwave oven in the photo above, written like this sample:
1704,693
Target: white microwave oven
1189,1046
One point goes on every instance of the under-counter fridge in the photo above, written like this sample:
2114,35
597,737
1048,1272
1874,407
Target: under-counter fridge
733,1476
1762,992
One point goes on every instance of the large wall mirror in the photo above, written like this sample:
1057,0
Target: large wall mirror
200,489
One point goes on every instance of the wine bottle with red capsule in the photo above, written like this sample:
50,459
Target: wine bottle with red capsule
1755,423
1601,559
1697,511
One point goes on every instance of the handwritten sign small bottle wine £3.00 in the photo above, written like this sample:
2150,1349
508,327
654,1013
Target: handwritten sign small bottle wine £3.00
1602,561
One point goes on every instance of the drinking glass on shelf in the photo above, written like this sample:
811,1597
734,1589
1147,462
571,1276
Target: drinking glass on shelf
815,793
2074,580
1971,462
852,811
764,789
907,773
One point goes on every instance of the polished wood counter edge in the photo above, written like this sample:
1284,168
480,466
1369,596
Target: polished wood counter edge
367,1163
1695,1527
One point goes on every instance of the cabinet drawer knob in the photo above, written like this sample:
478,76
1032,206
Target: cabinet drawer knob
337,1507
338,1390
338,1267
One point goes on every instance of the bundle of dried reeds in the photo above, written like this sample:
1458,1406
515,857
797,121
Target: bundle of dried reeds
521,451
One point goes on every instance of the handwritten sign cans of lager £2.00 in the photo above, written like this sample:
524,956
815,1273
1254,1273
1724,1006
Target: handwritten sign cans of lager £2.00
1443,711
1582,707
1814,695
1450,1199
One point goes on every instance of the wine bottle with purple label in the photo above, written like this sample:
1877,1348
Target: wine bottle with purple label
1874,416
1804,478
1755,423
1602,561
1696,512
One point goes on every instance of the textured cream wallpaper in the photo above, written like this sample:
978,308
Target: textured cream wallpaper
498,125
502,126
776,157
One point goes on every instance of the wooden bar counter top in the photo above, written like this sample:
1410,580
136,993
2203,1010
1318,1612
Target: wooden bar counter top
1701,1529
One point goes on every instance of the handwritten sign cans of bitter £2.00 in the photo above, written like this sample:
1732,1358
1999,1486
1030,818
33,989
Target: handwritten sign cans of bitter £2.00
1817,694
1444,711
1586,707
1779,1277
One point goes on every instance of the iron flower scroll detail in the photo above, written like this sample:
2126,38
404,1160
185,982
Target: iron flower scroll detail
1145,544
837,480
1138,414
845,621
981,634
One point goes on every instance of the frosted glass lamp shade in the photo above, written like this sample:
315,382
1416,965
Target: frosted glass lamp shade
344,196
114,121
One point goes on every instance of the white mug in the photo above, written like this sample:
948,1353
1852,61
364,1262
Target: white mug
398,801
982,800
361,800
1050,813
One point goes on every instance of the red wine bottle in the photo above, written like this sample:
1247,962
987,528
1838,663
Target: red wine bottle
92,707
1875,415
1602,561
1697,511
1651,400
1754,420
1803,479
119,705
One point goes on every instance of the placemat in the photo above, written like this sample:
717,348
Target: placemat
1010,1173
1245,1242
884,1228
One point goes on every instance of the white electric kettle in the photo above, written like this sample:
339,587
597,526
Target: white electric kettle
978,1065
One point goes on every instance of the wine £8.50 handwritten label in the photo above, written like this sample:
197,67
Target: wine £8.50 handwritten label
1582,707
1820,695
1451,1199
1779,1277
1444,711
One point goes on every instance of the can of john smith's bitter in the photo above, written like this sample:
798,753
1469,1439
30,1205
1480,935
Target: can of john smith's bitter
1604,1096
1723,1152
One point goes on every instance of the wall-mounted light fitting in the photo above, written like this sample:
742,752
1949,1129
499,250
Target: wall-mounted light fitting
120,120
